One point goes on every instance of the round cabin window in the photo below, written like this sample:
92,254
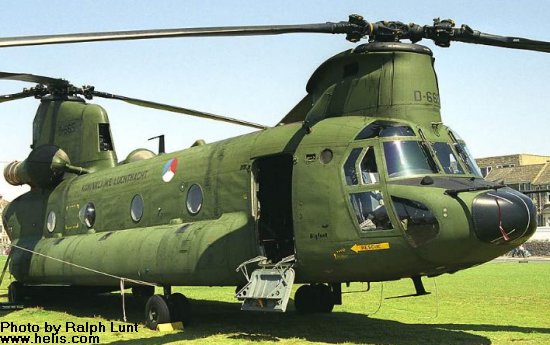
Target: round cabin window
87,215
326,156
50,223
194,199
136,208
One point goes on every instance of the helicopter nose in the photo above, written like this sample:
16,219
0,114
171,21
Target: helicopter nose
503,216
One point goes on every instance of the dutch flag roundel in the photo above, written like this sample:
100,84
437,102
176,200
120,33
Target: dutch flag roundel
169,170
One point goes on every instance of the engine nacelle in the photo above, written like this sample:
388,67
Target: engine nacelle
43,168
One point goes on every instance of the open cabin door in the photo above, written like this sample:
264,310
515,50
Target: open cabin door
273,204
269,286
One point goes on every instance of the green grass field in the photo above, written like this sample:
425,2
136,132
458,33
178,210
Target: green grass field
496,303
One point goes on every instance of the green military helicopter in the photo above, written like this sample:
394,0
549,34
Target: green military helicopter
360,181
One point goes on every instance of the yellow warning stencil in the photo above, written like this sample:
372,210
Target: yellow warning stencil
368,247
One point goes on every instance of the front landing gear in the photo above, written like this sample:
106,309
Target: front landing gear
167,309
419,286
317,298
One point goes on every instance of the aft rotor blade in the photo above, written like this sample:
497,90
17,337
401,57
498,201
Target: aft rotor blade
478,37
333,28
31,78
174,109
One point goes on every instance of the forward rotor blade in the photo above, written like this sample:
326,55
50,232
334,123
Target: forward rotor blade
443,33
31,78
14,96
174,109
478,37
333,28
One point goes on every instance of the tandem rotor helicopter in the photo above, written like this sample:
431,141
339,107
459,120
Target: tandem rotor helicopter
360,182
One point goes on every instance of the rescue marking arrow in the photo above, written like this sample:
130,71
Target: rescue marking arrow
369,247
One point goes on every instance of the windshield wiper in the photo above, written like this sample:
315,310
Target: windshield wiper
454,192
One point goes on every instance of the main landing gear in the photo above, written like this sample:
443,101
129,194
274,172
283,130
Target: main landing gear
16,292
317,298
167,308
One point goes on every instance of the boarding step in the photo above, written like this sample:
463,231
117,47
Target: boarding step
269,286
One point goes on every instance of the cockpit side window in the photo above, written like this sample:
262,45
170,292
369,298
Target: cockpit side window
369,169
385,129
447,158
370,211
350,170
363,178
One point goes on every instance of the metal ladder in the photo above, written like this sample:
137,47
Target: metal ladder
268,287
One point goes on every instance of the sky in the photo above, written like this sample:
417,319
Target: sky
497,99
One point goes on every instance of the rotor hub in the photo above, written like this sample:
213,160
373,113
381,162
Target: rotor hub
378,47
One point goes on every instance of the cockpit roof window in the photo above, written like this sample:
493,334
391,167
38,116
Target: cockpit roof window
455,136
385,129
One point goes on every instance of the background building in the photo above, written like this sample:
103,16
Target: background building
4,240
529,174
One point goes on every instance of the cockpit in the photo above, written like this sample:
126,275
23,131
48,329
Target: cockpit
386,151
405,155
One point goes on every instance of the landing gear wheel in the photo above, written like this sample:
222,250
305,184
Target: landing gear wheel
300,299
314,299
306,299
16,292
143,292
326,303
180,308
156,312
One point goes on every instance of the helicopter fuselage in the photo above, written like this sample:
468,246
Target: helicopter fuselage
341,201
360,181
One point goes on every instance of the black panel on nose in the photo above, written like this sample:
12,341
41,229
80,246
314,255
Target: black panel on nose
502,216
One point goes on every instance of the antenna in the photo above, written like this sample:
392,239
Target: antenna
161,143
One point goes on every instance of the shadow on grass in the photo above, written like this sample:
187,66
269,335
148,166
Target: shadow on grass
223,318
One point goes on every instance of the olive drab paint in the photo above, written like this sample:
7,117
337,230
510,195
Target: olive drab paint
208,208
80,129
396,81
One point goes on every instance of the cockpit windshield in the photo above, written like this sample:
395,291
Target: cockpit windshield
466,156
447,158
407,158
